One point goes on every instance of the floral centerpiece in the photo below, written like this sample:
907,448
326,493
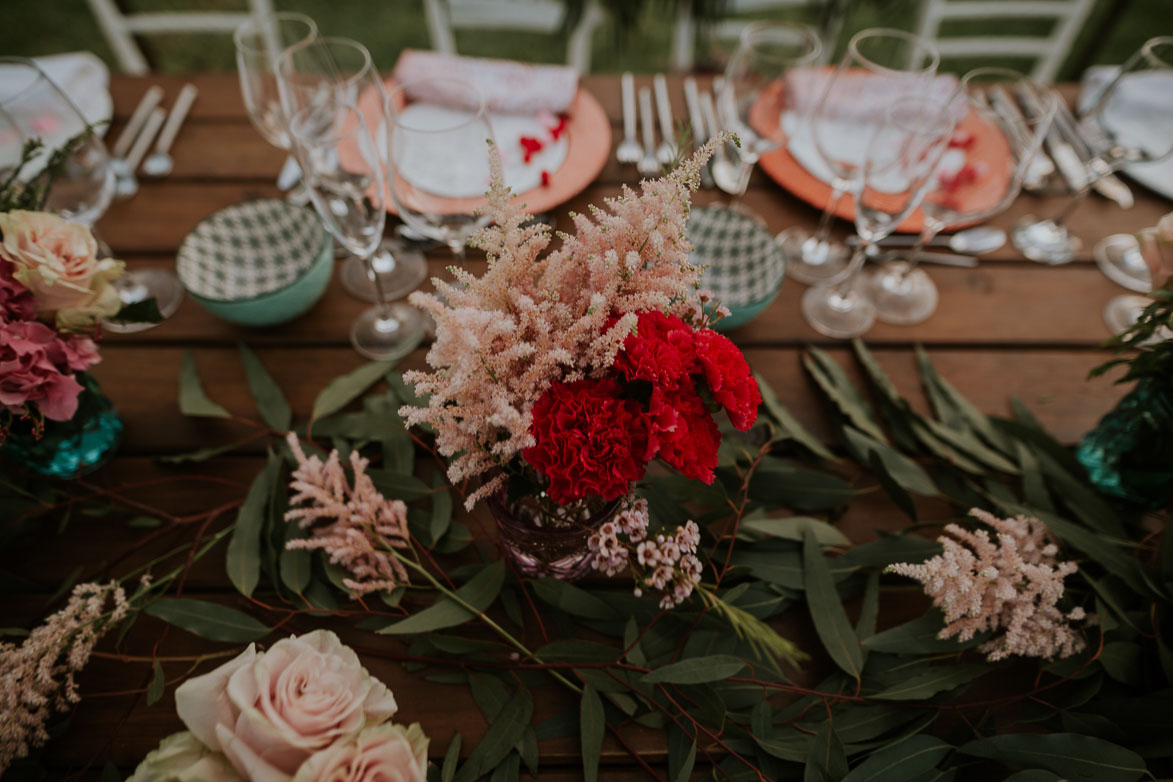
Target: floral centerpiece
556,380
54,291
1130,453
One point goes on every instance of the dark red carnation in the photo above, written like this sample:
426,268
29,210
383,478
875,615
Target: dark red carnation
729,378
590,440
660,351
690,447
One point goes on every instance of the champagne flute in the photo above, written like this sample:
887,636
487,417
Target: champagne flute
1131,121
343,173
899,163
314,76
437,191
753,83
880,66
903,293
84,185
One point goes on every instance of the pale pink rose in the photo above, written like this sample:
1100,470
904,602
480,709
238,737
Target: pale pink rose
1156,246
181,758
384,753
268,713
58,261
35,370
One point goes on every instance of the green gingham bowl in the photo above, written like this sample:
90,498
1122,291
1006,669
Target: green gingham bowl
745,264
258,263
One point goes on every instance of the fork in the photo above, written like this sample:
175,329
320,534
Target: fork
648,164
629,150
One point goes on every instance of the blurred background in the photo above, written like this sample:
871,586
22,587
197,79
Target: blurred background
632,35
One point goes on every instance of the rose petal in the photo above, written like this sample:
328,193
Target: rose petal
202,702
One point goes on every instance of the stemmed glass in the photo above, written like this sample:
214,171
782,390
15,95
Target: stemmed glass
754,83
880,66
1131,121
259,42
84,186
903,293
314,76
435,128
343,172
899,162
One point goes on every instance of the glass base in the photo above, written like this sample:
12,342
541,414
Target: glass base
541,548
385,333
840,317
400,270
1119,258
141,284
808,260
1045,241
1122,312
903,297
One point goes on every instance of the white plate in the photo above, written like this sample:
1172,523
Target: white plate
1156,176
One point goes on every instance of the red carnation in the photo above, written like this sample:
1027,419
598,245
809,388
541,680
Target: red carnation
729,378
660,351
590,440
690,447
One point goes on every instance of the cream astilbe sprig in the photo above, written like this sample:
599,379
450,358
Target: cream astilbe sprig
1009,584
530,320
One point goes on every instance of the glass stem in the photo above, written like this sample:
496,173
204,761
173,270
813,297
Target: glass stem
1075,201
377,280
842,286
927,234
838,189
457,248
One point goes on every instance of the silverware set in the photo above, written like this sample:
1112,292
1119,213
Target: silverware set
130,150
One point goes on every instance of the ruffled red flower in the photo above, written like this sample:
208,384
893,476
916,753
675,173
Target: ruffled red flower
729,378
690,447
660,351
591,441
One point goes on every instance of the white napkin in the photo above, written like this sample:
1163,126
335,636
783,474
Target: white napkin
81,76
507,86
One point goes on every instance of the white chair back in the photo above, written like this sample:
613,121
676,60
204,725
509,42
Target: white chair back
1048,51
684,31
538,16
120,29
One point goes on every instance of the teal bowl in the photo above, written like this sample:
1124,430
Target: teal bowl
745,266
259,263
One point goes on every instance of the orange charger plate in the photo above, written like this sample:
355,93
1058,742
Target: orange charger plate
989,145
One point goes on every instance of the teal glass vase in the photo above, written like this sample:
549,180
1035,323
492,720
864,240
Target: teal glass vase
70,449
1130,452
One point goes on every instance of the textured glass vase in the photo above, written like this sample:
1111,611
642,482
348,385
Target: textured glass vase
69,449
1130,452
542,545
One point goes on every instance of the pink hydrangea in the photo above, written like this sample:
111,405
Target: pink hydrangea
16,301
37,366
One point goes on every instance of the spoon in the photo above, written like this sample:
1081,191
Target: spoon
125,184
159,163
666,152
629,150
979,240
648,164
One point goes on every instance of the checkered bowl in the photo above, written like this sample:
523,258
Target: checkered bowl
745,264
257,263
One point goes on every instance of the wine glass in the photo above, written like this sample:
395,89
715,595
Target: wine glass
1131,121
343,173
898,164
314,76
437,135
1005,145
84,186
752,87
880,66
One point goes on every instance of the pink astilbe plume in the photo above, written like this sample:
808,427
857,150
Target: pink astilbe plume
1011,584
503,338
37,677
354,526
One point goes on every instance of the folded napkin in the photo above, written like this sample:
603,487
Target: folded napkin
80,75
508,87
1126,114
860,96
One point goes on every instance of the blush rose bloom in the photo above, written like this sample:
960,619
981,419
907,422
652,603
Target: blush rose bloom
182,758
268,713
385,753
1156,246
58,261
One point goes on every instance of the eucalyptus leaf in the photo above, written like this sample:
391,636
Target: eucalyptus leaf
903,470
776,482
869,610
451,757
787,426
793,528
696,670
399,486
572,599
243,558
1073,757
479,592
342,390
901,762
687,764
441,508
271,402
830,377
954,410
506,730
897,493
208,620
827,612
201,454
158,684
296,565
193,401
825,761
1034,775
939,679
591,727
920,636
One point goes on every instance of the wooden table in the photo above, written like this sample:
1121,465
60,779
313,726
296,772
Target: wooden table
1008,328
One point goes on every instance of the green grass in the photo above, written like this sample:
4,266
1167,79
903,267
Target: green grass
34,27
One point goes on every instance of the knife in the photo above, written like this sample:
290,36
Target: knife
881,254
1040,168
1070,164
1110,186
699,136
